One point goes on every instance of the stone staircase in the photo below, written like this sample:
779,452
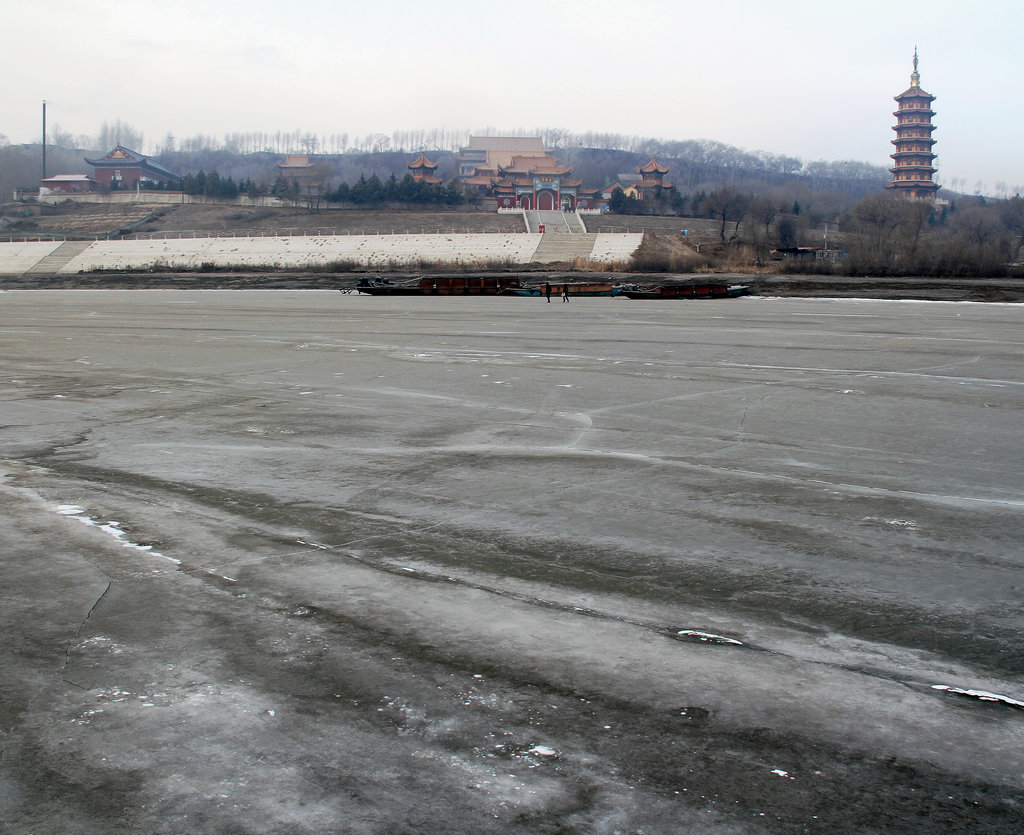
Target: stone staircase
59,257
558,223
554,247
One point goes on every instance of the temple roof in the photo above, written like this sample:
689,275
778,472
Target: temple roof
506,143
914,93
521,164
118,157
616,185
295,161
69,178
652,166
122,157
422,162
501,150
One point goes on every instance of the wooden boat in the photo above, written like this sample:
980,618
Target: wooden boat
689,290
378,286
574,289
439,286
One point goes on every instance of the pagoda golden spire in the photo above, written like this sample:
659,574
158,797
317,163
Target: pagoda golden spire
915,76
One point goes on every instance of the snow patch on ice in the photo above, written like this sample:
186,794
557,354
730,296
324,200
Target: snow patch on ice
312,544
981,695
707,636
73,511
906,524
542,751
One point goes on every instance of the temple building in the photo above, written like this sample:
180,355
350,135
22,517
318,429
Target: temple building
123,168
297,168
67,184
520,173
628,189
652,179
536,183
488,153
422,170
913,158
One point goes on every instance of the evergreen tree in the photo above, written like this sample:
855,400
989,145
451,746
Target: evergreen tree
374,189
618,203
454,195
341,194
359,191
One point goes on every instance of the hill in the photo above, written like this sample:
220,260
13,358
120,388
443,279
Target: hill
200,220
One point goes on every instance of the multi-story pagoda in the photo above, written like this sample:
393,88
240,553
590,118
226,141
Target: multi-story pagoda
912,174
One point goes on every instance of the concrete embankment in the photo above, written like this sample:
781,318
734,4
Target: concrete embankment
305,252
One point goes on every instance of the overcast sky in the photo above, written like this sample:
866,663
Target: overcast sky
809,79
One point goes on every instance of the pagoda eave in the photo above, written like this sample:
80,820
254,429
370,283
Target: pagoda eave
915,185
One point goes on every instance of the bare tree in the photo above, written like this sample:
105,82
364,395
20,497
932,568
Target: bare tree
727,205
1011,212
119,133
914,217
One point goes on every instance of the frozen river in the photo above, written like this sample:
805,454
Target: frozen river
307,561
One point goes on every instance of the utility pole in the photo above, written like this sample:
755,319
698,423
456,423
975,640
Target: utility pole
44,139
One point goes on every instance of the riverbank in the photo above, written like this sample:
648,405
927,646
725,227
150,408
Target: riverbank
785,286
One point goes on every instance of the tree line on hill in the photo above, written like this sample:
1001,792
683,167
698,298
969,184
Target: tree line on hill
598,158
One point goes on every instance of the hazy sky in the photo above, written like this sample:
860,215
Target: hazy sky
808,79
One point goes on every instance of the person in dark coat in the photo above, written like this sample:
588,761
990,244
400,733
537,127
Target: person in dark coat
547,292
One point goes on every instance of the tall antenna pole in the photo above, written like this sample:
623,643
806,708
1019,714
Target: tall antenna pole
44,139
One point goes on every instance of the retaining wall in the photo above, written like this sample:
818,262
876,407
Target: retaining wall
304,252
18,257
